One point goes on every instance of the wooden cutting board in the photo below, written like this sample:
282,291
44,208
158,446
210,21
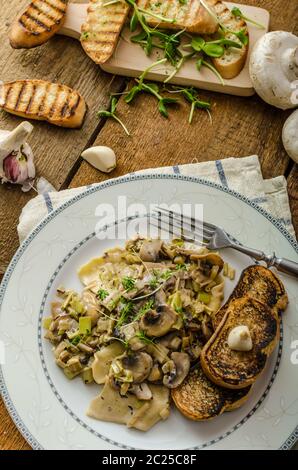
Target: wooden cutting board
130,60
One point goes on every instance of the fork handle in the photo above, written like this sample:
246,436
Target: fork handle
281,264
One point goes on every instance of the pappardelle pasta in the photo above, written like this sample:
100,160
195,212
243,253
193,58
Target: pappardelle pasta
137,326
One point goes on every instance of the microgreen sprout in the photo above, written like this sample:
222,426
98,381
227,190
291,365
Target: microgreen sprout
146,307
112,114
238,14
151,88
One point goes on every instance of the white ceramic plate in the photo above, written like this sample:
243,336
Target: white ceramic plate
50,411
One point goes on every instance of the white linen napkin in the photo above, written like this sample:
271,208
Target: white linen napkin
243,175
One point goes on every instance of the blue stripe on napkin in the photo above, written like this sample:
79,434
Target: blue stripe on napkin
48,202
221,173
176,170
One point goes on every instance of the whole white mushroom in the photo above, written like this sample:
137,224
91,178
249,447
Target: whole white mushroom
102,158
273,68
290,136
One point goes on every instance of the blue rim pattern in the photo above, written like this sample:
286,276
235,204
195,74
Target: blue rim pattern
93,189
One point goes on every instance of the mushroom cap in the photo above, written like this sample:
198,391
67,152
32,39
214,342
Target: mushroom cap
158,322
290,136
140,365
273,68
177,374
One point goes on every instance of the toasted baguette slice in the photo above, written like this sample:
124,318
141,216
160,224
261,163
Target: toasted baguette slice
201,400
101,31
44,101
235,369
233,61
38,23
260,283
191,15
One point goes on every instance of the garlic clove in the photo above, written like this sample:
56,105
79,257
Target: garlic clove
100,157
239,339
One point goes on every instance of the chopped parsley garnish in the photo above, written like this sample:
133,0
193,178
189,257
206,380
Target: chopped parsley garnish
146,307
102,294
167,274
124,312
128,283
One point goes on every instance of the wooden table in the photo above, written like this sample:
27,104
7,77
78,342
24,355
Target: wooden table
241,127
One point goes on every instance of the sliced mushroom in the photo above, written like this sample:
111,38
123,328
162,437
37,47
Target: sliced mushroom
139,364
160,297
158,322
150,250
155,374
211,259
170,341
176,369
142,391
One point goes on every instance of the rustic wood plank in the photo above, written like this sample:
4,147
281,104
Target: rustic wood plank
241,127
293,194
10,438
56,150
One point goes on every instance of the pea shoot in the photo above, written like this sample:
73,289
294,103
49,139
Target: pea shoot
238,14
112,114
151,88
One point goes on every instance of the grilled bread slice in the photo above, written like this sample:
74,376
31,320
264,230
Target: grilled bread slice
260,283
233,60
38,23
191,15
199,399
237,369
44,101
101,31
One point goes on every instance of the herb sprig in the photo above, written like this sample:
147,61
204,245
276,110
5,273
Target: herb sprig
112,114
238,14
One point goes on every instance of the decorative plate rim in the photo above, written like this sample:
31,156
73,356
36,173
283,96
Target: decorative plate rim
292,439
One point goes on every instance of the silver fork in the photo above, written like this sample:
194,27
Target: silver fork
214,238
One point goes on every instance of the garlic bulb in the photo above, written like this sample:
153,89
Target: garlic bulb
102,158
16,157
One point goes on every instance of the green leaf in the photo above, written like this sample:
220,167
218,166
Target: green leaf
132,94
153,87
148,47
133,22
198,43
237,12
243,36
213,50
104,114
139,37
113,105
163,110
